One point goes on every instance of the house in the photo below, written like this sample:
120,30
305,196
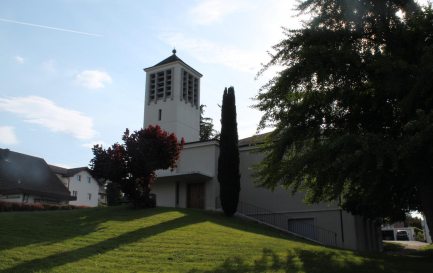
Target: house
28,179
88,191
172,101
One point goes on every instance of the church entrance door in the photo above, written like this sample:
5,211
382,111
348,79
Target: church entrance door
195,196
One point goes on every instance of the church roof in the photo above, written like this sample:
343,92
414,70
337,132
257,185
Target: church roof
253,140
172,59
21,173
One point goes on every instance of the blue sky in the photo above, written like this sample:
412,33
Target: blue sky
71,73
71,70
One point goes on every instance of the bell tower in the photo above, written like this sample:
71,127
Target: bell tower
172,98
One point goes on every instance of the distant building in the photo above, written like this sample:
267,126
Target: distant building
29,179
172,101
83,186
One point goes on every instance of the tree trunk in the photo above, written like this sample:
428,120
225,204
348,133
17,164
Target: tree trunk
426,196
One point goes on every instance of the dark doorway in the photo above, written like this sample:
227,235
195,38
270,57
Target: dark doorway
195,196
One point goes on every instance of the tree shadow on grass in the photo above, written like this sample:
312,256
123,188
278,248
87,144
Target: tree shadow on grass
47,263
18,229
299,260
251,226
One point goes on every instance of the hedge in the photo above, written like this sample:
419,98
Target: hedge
12,206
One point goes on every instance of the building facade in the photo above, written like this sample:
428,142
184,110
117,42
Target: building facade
173,102
83,186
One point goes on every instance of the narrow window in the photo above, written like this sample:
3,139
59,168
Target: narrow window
90,196
74,193
88,179
159,114
177,194
79,177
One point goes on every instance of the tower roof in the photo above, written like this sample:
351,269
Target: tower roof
172,59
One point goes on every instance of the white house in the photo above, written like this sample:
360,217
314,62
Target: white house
172,100
82,185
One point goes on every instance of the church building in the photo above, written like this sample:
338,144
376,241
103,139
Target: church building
172,101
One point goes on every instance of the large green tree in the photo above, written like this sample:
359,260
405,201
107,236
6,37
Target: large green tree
352,107
132,165
228,161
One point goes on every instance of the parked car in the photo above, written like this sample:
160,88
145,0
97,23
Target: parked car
402,235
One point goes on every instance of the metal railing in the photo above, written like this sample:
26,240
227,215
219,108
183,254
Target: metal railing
282,221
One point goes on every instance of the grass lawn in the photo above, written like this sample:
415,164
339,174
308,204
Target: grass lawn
170,240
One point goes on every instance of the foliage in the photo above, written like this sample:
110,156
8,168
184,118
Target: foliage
117,239
207,131
132,165
353,107
114,194
228,161
15,206
410,221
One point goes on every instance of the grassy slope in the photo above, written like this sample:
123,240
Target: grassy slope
166,240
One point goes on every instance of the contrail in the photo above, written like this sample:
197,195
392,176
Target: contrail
48,27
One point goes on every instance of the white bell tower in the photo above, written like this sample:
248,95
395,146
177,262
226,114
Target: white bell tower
172,98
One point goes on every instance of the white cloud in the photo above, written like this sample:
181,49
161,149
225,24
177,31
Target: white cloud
93,143
19,59
7,135
208,52
46,113
93,79
210,11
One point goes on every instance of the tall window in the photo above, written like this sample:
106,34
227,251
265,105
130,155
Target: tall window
177,194
79,177
159,114
160,85
190,88
90,196
89,179
74,193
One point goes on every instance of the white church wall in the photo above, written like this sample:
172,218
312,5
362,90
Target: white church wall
325,216
279,200
201,157
189,115
165,193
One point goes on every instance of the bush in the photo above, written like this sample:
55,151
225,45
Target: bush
13,206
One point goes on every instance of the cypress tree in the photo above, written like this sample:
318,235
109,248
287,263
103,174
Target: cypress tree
228,161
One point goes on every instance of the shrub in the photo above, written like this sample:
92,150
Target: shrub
13,206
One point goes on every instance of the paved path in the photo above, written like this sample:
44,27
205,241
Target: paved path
409,244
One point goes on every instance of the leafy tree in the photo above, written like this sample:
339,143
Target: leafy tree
228,161
207,131
114,194
132,165
413,222
353,107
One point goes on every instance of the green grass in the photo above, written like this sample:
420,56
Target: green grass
168,240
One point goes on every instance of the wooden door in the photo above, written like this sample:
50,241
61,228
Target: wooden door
195,195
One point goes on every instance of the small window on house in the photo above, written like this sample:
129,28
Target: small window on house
79,177
159,114
89,179
25,198
90,196
74,193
